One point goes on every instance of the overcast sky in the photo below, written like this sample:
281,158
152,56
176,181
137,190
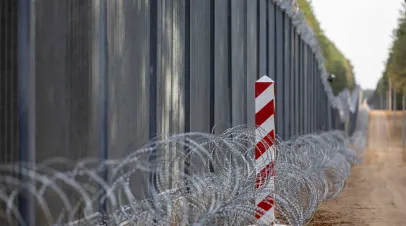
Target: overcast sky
362,30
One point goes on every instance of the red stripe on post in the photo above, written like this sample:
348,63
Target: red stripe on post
265,206
267,111
260,87
266,173
264,144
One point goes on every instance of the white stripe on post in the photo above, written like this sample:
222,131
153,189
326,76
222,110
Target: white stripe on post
263,98
265,151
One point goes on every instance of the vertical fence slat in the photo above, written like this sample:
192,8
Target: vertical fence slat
26,100
297,86
3,70
164,76
4,99
318,99
287,78
164,69
23,52
309,90
129,95
212,63
292,90
178,63
313,93
271,41
9,65
310,93
251,56
319,110
262,37
302,88
200,66
279,72
306,87
327,106
200,69
13,73
221,67
237,61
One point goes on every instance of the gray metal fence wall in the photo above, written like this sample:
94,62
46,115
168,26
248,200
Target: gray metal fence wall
9,127
8,82
101,77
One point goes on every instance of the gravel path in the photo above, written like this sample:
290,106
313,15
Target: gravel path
376,190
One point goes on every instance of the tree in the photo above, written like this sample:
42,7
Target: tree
340,82
395,66
335,61
368,93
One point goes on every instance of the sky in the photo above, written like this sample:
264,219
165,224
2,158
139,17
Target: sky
362,30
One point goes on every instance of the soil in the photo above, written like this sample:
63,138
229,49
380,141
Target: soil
376,190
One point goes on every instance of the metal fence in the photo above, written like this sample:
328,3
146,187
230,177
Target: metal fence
97,78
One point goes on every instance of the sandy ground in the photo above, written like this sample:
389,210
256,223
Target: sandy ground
376,190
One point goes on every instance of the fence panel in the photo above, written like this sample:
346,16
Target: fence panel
201,45
101,78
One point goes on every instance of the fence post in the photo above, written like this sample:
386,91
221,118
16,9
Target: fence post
264,151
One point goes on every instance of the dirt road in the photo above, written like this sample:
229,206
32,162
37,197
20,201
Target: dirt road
376,190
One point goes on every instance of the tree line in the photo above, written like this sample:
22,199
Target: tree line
335,61
394,74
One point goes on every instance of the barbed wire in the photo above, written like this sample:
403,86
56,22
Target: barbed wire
187,179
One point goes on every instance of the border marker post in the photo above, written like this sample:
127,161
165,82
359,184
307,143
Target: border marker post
265,150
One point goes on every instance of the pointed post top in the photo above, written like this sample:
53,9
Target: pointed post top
265,79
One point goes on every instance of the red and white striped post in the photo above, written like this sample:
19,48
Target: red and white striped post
265,150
